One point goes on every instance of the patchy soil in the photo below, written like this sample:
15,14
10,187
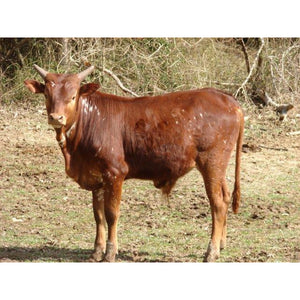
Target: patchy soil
45,216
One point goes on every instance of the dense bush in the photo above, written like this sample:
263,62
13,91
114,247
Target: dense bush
157,65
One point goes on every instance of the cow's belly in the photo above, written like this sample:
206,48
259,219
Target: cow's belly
160,169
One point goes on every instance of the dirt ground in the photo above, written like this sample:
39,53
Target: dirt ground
45,216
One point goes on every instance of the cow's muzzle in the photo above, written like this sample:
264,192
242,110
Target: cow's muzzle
56,120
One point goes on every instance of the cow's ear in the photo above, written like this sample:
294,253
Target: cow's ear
88,88
35,86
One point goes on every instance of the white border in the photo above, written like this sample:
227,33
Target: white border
155,18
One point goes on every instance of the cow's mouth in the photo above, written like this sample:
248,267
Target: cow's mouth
57,126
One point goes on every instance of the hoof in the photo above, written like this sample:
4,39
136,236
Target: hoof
222,245
109,258
97,256
110,254
91,260
210,258
212,254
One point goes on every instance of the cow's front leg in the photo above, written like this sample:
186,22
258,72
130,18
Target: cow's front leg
98,207
112,199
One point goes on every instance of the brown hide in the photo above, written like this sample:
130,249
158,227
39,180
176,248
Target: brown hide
108,139
157,138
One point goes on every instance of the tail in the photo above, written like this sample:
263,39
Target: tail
236,195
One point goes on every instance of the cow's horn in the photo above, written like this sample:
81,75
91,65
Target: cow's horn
85,73
41,71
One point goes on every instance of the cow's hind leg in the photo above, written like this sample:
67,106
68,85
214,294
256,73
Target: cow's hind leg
218,212
213,171
100,243
213,165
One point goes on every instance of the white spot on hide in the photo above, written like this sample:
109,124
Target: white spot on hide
100,148
68,133
62,141
98,175
100,195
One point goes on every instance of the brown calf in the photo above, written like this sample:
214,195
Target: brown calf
106,139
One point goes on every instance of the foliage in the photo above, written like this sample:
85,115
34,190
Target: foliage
155,65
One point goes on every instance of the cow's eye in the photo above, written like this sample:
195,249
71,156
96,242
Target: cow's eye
73,98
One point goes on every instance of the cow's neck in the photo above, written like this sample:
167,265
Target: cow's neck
66,138
61,137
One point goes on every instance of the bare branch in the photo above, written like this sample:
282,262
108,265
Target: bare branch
220,83
284,54
273,148
269,101
118,81
294,133
241,41
242,87
156,51
113,75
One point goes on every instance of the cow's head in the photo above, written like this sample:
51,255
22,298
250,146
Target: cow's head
62,92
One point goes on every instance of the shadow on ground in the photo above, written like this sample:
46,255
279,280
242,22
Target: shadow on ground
43,254
55,254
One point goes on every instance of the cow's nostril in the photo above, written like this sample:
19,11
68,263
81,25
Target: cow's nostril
56,118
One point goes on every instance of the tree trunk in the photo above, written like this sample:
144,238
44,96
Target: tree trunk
65,52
